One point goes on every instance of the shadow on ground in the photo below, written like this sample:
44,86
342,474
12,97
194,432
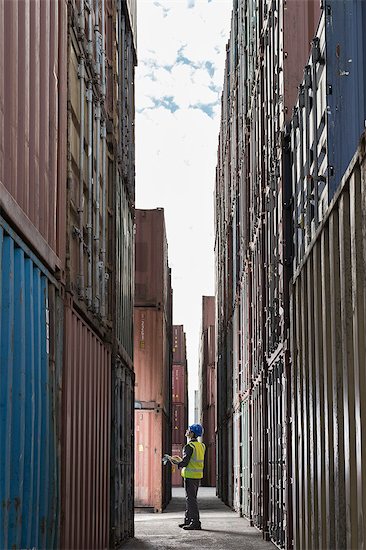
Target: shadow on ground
222,529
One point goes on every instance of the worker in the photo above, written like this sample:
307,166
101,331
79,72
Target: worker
192,472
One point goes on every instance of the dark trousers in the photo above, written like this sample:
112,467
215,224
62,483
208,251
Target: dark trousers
192,512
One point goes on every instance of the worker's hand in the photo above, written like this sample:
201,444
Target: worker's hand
175,459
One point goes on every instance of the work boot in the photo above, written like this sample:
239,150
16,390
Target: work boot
184,524
193,526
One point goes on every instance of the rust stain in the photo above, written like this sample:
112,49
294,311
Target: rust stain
17,503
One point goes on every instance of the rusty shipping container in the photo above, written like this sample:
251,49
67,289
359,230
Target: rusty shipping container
86,432
153,353
179,384
177,480
151,283
179,345
33,80
31,318
179,423
328,349
152,441
152,359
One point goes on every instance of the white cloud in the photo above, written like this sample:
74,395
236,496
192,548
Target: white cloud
176,140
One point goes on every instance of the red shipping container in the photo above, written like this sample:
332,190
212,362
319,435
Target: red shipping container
300,24
152,359
208,312
33,121
152,478
86,437
177,480
152,274
179,345
179,425
179,382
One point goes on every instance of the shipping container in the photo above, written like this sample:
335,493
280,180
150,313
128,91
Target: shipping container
152,360
300,23
246,454
122,301
179,424
237,467
33,57
86,433
180,384
177,480
179,345
328,353
151,277
346,83
207,384
31,320
152,441
122,454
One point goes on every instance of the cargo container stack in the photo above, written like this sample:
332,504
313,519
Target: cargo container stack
327,294
207,388
289,186
152,361
268,48
67,215
179,398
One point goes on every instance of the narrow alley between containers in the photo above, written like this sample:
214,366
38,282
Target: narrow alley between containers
182,274
222,528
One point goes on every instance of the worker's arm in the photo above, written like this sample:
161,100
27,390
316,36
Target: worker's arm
187,453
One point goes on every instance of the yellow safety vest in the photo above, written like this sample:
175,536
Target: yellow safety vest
194,470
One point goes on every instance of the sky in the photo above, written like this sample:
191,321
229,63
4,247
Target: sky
181,48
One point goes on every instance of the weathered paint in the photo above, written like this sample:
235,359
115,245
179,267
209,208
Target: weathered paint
152,478
179,384
328,375
33,121
179,424
346,82
177,480
30,379
152,358
122,454
86,436
179,345
151,276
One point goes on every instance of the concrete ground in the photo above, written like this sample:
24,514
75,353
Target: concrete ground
222,529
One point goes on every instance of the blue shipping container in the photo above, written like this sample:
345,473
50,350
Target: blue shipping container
346,83
30,368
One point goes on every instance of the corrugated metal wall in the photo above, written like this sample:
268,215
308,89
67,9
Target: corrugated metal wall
207,388
85,436
264,67
122,454
328,350
31,324
33,122
285,142
152,478
67,180
153,355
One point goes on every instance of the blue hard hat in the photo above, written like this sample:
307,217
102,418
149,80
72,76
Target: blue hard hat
196,429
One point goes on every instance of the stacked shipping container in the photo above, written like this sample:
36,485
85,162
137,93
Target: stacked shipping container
253,251
207,382
152,361
179,398
279,166
67,194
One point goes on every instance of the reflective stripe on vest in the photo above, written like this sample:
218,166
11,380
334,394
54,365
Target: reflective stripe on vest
194,469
